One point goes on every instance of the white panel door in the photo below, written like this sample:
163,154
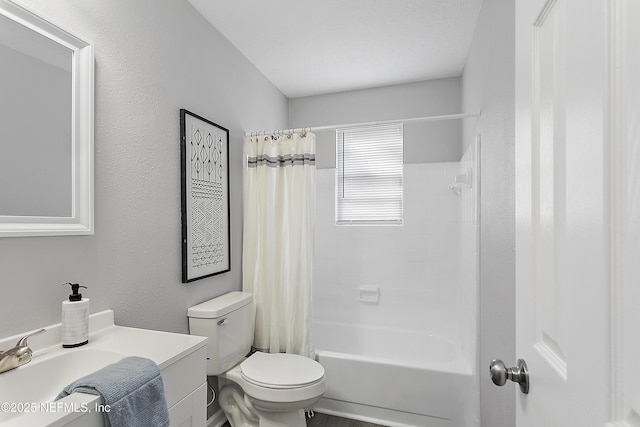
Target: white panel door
573,201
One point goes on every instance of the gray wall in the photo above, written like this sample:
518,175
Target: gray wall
152,58
488,84
424,142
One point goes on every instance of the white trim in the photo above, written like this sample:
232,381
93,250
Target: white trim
615,162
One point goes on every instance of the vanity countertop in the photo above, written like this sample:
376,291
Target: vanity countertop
27,392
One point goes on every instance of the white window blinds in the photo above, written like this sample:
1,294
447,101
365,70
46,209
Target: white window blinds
369,175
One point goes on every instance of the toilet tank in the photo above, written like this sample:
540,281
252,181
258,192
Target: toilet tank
228,323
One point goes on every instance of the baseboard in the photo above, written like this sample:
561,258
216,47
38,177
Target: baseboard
217,419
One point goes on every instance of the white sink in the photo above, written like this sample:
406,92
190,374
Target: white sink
27,393
44,377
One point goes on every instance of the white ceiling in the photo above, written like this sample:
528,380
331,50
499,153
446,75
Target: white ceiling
309,47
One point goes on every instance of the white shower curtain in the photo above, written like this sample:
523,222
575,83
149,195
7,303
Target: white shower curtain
278,241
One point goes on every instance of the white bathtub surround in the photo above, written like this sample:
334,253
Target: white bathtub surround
469,272
414,266
406,354
278,246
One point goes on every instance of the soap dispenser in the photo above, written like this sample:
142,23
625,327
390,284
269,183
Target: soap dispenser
75,318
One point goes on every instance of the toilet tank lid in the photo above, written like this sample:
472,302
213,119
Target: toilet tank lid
220,306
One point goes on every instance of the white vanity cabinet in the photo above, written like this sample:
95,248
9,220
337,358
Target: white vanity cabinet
185,388
180,357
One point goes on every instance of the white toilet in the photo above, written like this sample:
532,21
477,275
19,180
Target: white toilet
264,389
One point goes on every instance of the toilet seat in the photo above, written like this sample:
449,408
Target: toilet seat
281,370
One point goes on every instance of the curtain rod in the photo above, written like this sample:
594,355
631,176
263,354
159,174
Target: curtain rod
348,125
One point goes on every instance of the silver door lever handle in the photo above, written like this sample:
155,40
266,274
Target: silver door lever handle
500,374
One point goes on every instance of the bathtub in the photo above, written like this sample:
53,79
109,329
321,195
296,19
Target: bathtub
394,377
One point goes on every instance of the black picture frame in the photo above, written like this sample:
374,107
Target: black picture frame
206,228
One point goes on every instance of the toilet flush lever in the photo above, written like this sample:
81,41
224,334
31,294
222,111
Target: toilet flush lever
223,321
500,374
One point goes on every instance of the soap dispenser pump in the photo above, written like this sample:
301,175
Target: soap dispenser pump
75,318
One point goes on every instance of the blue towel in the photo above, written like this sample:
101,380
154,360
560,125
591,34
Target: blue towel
133,390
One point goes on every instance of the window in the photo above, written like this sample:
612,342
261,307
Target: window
369,175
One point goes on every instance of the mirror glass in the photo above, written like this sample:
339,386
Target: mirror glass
46,127
35,123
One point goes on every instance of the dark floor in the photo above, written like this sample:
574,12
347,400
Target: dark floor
323,420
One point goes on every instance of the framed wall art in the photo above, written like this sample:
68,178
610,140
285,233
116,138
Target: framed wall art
205,197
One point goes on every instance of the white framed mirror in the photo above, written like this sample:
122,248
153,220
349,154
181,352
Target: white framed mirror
46,127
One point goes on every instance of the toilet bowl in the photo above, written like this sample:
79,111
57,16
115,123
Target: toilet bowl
263,389
275,387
